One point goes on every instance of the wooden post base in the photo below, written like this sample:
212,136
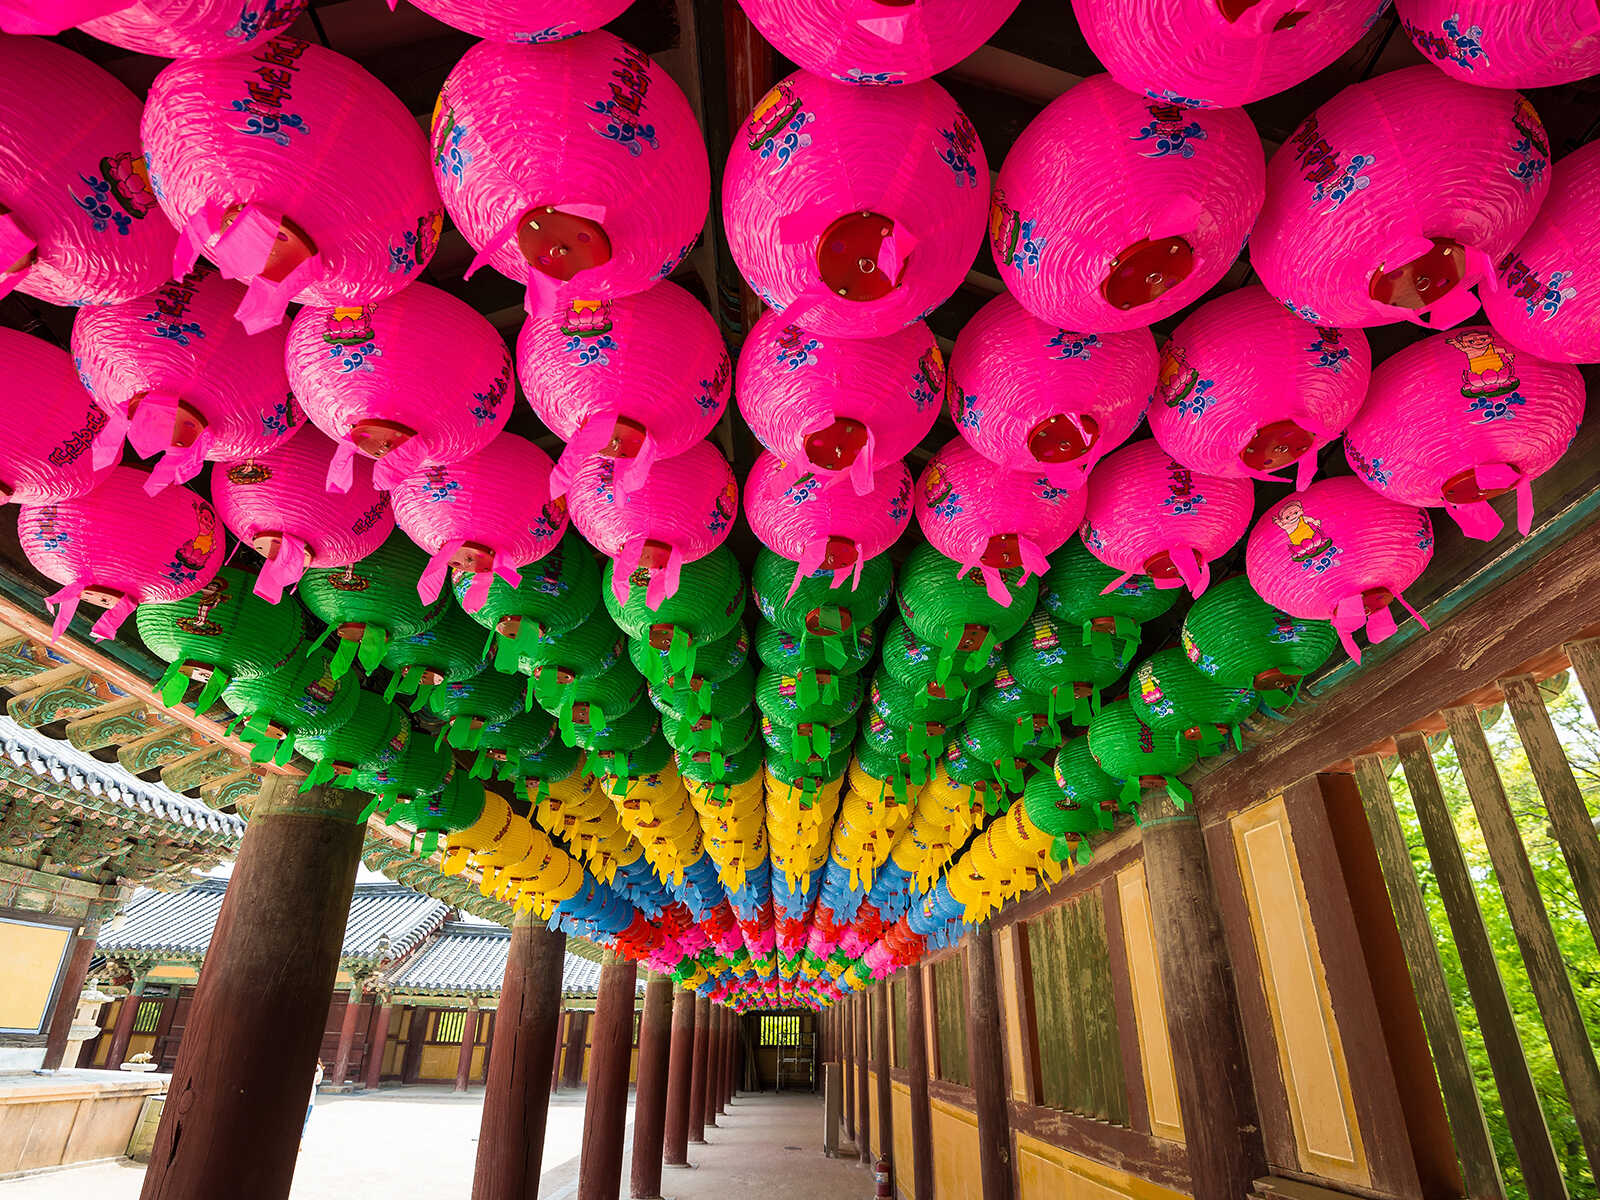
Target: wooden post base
650,1096
605,1108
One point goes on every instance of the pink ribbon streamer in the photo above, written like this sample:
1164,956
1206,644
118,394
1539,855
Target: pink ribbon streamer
341,468
587,441
107,446
283,569
1479,519
431,581
111,620
14,245
663,584
811,556
405,459
65,603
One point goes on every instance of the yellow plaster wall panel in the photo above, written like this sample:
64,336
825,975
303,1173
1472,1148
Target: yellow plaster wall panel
956,1173
1149,1008
1047,1172
904,1175
173,973
1310,1051
439,1062
32,956
1005,941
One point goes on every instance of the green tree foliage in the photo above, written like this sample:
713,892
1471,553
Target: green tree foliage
1580,737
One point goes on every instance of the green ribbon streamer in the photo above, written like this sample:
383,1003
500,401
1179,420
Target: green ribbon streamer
322,637
320,773
1182,797
285,751
343,657
172,685
208,694
374,644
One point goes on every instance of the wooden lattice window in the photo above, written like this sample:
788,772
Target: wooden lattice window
1075,1013
780,1030
450,1024
148,1016
950,1013
897,1009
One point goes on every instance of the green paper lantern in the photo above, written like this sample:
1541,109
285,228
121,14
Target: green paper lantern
813,696
648,759
1047,657
613,691
222,632
555,595
809,777
626,730
467,706
904,737
1033,716
1066,822
918,666
830,617
417,766
1237,639
455,807
897,701
371,603
450,648
990,741
707,606
955,613
783,651
301,698
709,733
725,698
594,645
503,745
1170,696
1130,751
1073,591
359,740
554,762
714,662
728,767
809,741
898,773
1083,782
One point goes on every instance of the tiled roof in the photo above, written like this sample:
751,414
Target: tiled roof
468,959
180,923
63,762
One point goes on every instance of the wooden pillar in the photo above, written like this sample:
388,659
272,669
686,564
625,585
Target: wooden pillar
66,1006
847,1048
731,1059
515,1102
675,1140
917,1068
650,1095
605,1108
122,1032
577,1035
697,1074
880,1056
555,1055
985,1062
376,1048
237,1099
858,1021
1215,1098
347,1035
724,1056
713,1065
469,1039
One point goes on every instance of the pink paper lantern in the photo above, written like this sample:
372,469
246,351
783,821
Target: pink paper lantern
855,211
1035,398
1460,418
276,503
486,515
1396,197
639,378
680,514
523,20
418,380
843,406
989,519
1248,388
267,162
796,516
45,440
1506,43
77,212
118,547
1149,515
165,28
1210,54
180,378
1548,301
574,167
877,42
1176,192
1340,552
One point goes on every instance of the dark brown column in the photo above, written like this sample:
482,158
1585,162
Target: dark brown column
724,1051
675,1143
237,1100
880,1060
650,1094
605,1108
847,1050
469,1039
1215,1096
697,1075
515,1101
917,1068
858,1024
555,1055
122,1032
985,1051
347,1035
713,1065
373,1075
731,1059
577,1035
67,996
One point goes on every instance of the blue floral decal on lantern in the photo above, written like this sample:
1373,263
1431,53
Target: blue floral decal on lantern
796,349
1049,492
788,141
1286,631
154,178
413,248
179,332
253,22
452,157
1319,563
1091,537
281,417
671,265
968,415
48,534
1530,168
1171,97
1304,311
1137,585
1452,44
1554,296
1198,399
487,402
900,506
591,351
922,394
437,487
102,214
1330,350
959,144
623,128
1370,469
1025,257
1169,133
1497,408
871,78
1070,346
949,505
354,358
1349,182
275,127
801,490
551,33
1183,505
